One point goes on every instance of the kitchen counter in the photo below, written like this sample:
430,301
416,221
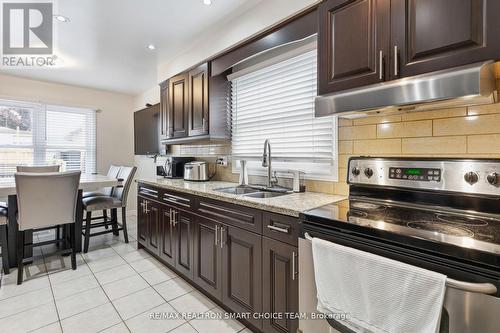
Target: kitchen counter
290,204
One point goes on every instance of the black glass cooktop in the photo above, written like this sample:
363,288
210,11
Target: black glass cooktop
464,229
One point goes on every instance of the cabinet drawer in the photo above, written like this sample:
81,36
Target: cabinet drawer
180,200
148,192
281,227
231,214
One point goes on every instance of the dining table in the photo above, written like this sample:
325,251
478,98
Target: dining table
88,182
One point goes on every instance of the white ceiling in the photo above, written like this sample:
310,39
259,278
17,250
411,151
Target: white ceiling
104,45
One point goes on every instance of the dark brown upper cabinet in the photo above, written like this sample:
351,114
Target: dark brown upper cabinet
164,110
429,35
361,42
178,106
198,101
353,43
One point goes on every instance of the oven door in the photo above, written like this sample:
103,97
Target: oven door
468,307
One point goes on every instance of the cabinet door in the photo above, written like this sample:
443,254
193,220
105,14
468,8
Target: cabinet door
183,229
353,43
153,212
178,106
167,238
242,272
198,101
164,110
142,222
281,289
208,256
429,35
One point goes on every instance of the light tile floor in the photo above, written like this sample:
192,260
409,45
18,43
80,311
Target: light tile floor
115,289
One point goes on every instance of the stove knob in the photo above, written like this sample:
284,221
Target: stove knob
493,178
471,177
355,171
368,172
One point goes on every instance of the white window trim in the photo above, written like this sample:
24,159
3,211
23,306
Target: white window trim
39,140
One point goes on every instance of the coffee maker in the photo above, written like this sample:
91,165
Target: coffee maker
173,167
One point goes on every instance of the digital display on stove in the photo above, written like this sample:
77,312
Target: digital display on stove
415,174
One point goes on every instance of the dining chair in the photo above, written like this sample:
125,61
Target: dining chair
38,169
3,240
106,191
45,201
117,199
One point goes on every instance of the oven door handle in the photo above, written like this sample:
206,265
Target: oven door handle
481,288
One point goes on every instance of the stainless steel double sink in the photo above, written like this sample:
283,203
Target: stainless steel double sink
251,192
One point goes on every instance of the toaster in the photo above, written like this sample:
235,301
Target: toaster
196,171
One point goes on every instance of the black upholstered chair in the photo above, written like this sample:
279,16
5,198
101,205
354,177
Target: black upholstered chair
3,239
106,191
117,199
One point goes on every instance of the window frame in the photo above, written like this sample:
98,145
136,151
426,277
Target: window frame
282,166
39,139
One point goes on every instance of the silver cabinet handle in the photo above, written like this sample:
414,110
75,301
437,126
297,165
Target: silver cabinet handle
174,217
381,65
147,210
216,231
170,216
143,204
275,228
222,242
396,65
293,265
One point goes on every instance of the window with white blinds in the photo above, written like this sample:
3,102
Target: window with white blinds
40,134
276,102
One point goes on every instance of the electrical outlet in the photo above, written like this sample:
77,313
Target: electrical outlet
222,161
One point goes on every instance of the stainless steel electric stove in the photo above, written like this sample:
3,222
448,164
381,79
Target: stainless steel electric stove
439,214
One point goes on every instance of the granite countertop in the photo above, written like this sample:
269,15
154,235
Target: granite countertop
290,204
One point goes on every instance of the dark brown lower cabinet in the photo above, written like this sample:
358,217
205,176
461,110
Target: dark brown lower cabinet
142,221
280,285
227,254
208,256
242,271
148,217
153,212
183,228
167,248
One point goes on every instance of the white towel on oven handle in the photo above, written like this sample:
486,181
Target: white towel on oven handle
378,294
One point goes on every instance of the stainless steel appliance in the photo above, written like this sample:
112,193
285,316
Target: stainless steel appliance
196,171
439,214
173,167
467,85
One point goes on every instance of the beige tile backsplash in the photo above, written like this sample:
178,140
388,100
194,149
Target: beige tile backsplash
458,132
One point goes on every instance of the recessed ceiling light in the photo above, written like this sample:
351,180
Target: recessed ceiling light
61,18
207,2
151,47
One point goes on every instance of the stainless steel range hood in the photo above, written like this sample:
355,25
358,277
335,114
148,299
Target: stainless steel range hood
467,85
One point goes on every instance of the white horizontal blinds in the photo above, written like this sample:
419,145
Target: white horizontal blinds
277,103
37,134
70,138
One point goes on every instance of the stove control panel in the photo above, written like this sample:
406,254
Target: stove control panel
415,174
476,176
